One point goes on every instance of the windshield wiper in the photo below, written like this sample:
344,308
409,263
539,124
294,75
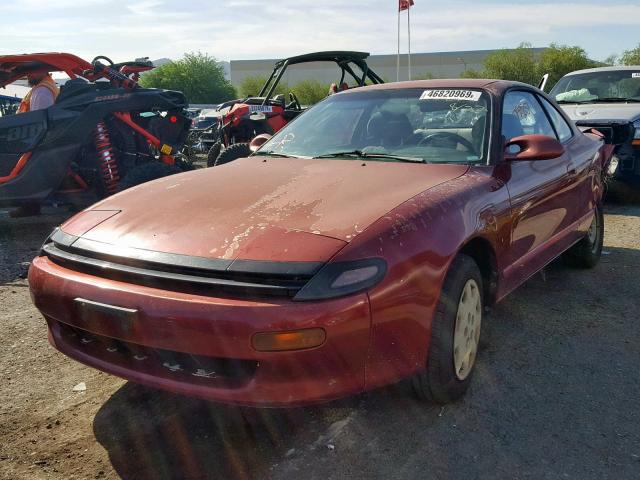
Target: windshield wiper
274,154
580,102
616,99
361,154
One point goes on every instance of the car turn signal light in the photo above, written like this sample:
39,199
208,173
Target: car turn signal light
291,340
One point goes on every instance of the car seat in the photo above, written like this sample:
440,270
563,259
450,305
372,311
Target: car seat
391,129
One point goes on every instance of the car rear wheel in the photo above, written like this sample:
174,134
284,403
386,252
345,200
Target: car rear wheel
586,253
455,335
233,152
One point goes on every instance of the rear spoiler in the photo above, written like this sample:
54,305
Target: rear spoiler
615,132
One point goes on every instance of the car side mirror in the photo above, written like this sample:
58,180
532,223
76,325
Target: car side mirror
258,141
532,147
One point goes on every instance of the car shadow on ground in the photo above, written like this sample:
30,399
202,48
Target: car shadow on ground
153,434
546,352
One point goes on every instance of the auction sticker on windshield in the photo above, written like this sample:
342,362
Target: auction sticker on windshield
471,95
635,75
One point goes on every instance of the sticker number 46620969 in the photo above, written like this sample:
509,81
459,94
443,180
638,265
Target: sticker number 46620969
470,95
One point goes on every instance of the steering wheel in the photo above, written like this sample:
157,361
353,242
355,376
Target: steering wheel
295,104
460,140
102,57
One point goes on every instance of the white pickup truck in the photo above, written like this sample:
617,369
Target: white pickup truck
608,99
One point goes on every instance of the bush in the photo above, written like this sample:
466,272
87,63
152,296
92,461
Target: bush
518,64
310,91
251,86
197,75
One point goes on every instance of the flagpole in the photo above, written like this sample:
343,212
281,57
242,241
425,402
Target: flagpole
398,57
409,33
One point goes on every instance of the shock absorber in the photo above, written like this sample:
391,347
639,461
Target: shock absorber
106,158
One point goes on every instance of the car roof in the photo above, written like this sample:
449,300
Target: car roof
605,69
497,86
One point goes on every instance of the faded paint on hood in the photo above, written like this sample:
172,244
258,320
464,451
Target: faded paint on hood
259,208
603,111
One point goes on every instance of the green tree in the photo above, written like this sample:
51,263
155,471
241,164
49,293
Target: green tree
558,60
518,64
197,75
251,86
631,57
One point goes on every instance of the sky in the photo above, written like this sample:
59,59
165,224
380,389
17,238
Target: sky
251,29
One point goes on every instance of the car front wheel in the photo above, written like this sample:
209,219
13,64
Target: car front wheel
455,335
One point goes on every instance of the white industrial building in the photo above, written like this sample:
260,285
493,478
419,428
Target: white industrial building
437,64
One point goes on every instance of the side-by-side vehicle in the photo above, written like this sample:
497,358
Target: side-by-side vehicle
102,134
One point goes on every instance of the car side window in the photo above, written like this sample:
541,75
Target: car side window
522,114
562,127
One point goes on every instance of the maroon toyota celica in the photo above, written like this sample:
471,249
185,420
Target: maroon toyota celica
357,247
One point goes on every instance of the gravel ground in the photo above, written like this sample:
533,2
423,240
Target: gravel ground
555,396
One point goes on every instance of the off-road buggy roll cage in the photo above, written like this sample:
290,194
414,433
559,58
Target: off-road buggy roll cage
15,67
96,139
343,59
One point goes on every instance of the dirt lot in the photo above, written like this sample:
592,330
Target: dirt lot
555,396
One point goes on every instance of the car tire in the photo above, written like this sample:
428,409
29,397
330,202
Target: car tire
145,173
586,253
233,152
213,153
455,335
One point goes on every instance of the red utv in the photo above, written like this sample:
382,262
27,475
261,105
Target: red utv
239,121
103,133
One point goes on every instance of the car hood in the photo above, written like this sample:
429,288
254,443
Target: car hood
259,208
603,111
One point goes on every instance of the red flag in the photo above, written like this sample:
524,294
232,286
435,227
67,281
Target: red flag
404,5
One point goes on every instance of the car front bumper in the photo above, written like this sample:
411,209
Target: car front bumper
200,345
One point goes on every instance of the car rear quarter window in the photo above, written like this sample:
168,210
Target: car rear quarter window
522,114
562,127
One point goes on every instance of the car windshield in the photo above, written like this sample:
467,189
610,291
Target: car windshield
414,125
603,86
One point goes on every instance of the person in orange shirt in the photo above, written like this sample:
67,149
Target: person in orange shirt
43,93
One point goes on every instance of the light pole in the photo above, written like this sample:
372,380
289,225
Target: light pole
460,59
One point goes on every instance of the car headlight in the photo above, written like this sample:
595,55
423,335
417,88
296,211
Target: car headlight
636,125
343,278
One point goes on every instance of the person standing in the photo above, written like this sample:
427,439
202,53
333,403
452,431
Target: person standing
43,93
